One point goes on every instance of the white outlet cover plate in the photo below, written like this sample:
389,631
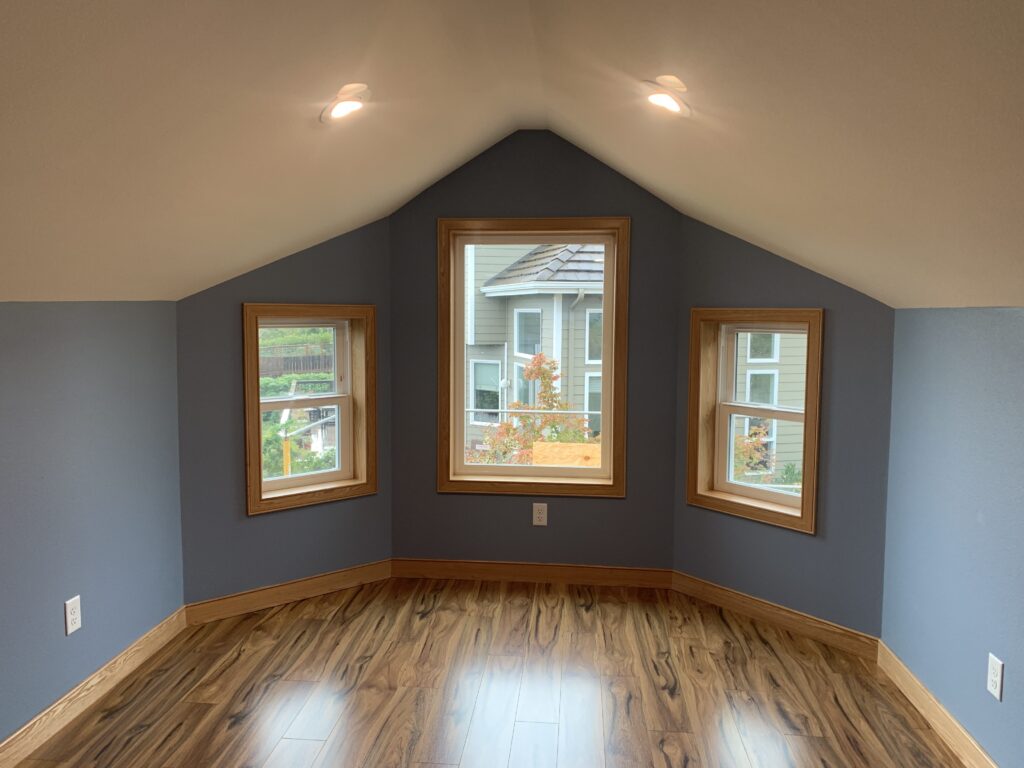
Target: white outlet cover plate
73,614
540,513
995,677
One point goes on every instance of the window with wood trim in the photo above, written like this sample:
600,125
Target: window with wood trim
310,404
755,381
532,356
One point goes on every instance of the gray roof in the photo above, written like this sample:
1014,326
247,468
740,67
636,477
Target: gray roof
556,264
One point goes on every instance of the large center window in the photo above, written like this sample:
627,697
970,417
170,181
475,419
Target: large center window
532,356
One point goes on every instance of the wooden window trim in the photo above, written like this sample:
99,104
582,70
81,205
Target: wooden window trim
363,344
447,232
705,369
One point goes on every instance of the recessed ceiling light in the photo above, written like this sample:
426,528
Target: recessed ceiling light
665,101
351,98
666,91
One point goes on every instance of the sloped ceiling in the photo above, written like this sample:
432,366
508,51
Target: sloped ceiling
152,149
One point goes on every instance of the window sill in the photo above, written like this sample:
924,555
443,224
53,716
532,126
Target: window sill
753,509
532,486
306,495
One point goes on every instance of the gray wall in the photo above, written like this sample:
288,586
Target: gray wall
89,472
535,173
954,556
836,574
225,551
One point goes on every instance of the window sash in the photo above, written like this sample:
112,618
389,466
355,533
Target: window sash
474,410
588,360
723,457
517,314
346,467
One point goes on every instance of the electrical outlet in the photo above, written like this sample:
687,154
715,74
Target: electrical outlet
995,677
540,513
73,614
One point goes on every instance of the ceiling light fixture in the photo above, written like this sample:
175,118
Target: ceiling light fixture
666,92
351,98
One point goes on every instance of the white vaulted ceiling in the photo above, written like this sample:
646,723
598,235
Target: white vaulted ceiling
151,149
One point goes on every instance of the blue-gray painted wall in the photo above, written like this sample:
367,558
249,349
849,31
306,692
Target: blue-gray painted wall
954,555
89,473
224,550
676,263
837,573
535,173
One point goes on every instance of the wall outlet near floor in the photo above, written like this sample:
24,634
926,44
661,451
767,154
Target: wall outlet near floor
540,513
73,614
995,677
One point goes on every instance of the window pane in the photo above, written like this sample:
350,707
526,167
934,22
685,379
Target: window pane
762,346
594,404
762,387
766,453
526,391
780,382
595,323
486,389
528,338
297,360
517,313
299,441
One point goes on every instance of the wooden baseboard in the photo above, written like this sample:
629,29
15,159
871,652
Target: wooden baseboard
558,573
290,591
22,743
942,722
846,639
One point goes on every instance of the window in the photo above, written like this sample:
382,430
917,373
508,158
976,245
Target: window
527,334
595,336
594,403
529,298
310,403
762,347
753,429
485,380
526,391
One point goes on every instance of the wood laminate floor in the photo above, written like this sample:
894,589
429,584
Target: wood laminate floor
481,674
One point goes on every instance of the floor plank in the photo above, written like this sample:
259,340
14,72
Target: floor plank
433,673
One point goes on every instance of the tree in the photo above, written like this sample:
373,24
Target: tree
511,440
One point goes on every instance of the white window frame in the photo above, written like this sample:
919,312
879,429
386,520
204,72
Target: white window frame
728,406
341,399
473,363
586,340
517,311
775,348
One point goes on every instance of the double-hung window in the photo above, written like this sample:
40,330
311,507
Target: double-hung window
310,413
532,356
753,415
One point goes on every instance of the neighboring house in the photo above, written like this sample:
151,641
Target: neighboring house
525,299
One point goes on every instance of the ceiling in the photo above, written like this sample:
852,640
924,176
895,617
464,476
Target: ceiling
152,149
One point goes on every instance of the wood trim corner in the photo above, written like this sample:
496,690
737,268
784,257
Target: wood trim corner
939,718
288,592
46,724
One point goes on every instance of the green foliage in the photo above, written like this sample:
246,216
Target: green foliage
303,459
297,338
277,386
791,475
511,441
